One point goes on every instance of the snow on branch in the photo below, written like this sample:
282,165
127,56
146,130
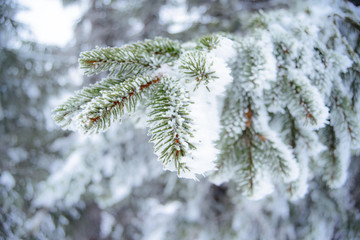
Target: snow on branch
258,109
170,126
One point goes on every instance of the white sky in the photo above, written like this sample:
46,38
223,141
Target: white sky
49,22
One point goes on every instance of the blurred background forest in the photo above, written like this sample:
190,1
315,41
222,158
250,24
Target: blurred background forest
57,184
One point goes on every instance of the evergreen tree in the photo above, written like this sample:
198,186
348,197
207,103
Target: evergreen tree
288,94
207,95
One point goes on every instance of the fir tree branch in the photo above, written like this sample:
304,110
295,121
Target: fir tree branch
197,66
304,101
249,167
332,171
344,119
63,114
209,42
237,152
124,63
260,149
142,56
170,125
268,151
98,114
354,76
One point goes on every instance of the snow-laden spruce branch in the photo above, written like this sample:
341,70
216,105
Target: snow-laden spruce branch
170,125
275,106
